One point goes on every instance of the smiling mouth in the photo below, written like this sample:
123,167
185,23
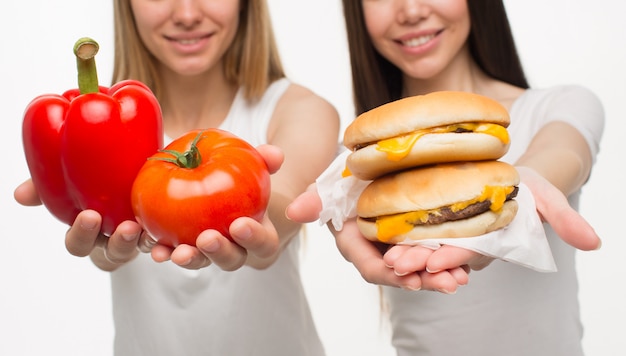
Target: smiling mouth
418,41
187,41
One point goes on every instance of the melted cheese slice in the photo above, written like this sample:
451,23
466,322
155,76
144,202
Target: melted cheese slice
397,224
399,147
346,172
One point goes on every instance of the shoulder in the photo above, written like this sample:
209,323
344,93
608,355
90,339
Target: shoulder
563,102
298,95
568,94
573,104
301,103
301,113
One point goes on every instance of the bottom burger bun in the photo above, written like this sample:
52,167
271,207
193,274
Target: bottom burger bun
449,200
469,227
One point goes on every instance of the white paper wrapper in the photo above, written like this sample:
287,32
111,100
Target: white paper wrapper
522,242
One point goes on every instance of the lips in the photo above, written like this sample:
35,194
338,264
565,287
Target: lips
189,43
188,40
417,40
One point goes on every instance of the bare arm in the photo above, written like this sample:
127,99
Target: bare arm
306,128
560,154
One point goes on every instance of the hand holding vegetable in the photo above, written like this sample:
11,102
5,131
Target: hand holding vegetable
203,180
85,147
230,244
108,253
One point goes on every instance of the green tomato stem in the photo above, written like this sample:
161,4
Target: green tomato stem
85,50
189,159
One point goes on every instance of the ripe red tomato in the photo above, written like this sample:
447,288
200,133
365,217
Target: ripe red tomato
203,180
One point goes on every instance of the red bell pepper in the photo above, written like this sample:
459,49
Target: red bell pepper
85,147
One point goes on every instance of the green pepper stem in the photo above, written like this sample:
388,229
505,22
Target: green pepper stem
85,50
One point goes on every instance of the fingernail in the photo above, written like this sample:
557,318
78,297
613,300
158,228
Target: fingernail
411,288
213,246
185,263
432,271
129,237
244,234
287,213
599,245
444,291
400,274
88,225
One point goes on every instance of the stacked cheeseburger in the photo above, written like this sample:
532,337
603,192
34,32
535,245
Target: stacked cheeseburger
434,164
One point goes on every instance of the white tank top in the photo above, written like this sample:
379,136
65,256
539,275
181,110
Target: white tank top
162,309
507,309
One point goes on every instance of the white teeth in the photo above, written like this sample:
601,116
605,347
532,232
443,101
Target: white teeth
418,41
187,42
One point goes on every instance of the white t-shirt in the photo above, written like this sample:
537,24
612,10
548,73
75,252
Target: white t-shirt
506,309
163,309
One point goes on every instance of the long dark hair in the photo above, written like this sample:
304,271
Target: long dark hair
377,81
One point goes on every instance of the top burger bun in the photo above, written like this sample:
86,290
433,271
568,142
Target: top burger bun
439,201
445,126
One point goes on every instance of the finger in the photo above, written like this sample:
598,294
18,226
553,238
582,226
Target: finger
221,251
409,259
26,194
368,260
352,244
273,157
374,271
554,208
448,257
161,253
189,257
146,243
442,282
567,222
460,274
574,230
121,246
260,240
393,253
305,208
82,236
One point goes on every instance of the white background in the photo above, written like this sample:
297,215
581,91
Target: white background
54,303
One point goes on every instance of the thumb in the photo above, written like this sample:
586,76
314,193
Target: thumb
553,207
571,227
306,207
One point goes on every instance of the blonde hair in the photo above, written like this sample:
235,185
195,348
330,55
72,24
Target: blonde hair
252,61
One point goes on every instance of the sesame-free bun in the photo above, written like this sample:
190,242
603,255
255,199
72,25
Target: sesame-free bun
475,226
409,115
431,188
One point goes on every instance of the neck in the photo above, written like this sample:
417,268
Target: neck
463,74
191,102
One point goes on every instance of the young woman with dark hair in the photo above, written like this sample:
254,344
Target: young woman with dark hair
377,81
402,48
